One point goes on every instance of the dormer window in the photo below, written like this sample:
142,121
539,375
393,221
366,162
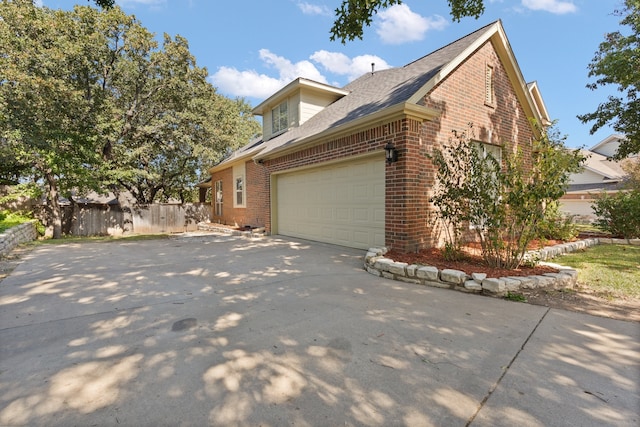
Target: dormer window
280,118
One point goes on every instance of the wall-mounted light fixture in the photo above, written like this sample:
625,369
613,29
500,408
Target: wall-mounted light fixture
390,153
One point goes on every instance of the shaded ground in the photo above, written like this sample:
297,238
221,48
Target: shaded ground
582,299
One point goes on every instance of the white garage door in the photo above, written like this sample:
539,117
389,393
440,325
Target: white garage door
341,204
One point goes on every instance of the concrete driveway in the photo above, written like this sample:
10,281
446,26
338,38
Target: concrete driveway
218,330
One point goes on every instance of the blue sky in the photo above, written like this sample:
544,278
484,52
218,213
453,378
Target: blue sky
251,48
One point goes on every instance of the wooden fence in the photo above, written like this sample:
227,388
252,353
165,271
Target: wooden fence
100,219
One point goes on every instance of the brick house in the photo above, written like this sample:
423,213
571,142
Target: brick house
319,171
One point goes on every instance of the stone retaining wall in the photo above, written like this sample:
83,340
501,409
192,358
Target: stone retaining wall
226,229
375,263
12,237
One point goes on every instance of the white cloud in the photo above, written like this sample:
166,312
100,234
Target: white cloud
314,9
250,83
245,83
554,6
341,64
399,24
288,70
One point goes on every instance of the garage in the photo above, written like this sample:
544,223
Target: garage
342,203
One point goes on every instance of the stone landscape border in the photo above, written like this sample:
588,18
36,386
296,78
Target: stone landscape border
14,236
377,264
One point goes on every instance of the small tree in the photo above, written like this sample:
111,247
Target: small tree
453,167
504,206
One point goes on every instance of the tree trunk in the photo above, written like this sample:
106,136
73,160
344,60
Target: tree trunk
55,213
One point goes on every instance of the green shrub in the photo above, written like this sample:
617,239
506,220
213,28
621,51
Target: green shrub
619,214
11,219
557,226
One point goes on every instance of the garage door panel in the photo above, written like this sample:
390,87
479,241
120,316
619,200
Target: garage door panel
341,204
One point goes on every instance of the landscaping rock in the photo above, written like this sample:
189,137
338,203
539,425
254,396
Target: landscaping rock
411,270
453,276
473,285
382,264
398,268
428,273
512,284
494,285
478,277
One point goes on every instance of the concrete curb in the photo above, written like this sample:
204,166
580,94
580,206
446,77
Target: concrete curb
14,236
377,264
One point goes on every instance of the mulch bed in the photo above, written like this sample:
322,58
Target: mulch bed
472,262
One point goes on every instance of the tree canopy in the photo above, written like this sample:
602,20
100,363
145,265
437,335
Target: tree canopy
89,100
617,63
353,15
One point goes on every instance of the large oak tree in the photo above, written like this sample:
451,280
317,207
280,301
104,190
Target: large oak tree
90,101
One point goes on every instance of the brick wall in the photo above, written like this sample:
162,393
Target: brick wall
255,213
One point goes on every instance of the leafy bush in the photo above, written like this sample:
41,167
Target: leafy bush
557,226
619,214
503,202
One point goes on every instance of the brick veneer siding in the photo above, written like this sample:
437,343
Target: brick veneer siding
411,222
255,213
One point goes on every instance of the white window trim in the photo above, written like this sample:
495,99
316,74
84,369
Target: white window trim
239,173
275,131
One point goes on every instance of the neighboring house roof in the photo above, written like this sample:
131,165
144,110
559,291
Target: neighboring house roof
609,170
395,91
595,187
600,172
608,146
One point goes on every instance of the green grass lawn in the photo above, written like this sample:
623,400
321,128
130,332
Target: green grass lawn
611,270
93,239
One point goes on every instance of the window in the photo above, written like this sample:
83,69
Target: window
217,210
279,118
239,200
239,191
487,149
488,86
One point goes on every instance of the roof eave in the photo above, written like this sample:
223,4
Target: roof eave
406,109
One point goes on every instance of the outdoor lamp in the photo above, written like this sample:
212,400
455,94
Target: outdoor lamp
390,153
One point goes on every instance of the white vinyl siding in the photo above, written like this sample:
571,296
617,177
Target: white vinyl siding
311,103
